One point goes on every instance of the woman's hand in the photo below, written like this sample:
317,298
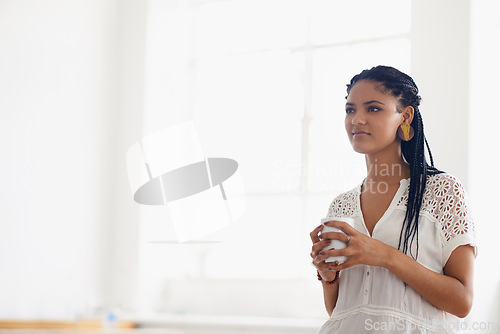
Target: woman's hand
361,249
326,270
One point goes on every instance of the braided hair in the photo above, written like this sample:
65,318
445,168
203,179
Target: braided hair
402,86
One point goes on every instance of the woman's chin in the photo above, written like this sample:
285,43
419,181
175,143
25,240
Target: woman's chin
360,149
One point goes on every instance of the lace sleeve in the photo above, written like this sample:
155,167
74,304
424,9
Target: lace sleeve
343,205
454,216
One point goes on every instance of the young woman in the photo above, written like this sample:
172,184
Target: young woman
412,248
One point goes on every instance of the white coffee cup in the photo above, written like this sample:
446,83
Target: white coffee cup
337,244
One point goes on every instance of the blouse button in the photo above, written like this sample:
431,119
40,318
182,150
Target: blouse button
367,273
366,292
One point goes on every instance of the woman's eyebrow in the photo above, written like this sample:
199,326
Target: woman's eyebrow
367,102
374,101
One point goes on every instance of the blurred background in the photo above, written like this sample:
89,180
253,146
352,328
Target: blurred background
264,81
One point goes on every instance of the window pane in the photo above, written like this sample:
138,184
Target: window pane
333,165
334,21
249,108
242,25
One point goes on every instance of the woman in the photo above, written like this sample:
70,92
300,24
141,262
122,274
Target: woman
412,248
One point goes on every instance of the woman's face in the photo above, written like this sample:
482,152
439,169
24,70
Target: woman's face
372,118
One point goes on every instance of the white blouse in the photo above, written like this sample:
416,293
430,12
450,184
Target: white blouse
371,299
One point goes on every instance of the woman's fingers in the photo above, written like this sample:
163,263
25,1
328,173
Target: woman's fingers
325,254
333,266
317,247
335,235
314,234
347,264
321,265
348,229
318,254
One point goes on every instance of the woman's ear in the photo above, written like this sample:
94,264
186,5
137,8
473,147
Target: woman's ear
408,113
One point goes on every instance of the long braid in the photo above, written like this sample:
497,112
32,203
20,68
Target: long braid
417,181
429,150
404,88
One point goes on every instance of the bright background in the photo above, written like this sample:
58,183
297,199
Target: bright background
264,81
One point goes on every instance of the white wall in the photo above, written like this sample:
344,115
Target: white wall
71,99
123,238
484,159
455,62
440,67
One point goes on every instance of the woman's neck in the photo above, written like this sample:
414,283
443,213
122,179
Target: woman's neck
388,167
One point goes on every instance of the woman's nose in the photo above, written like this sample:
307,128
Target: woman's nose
358,118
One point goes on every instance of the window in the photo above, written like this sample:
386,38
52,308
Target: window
264,82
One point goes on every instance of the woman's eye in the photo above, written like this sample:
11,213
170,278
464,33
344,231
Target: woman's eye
374,109
349,110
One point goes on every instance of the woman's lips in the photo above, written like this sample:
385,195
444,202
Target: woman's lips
360,134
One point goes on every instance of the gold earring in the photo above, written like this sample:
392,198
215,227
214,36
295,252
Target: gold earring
405,132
